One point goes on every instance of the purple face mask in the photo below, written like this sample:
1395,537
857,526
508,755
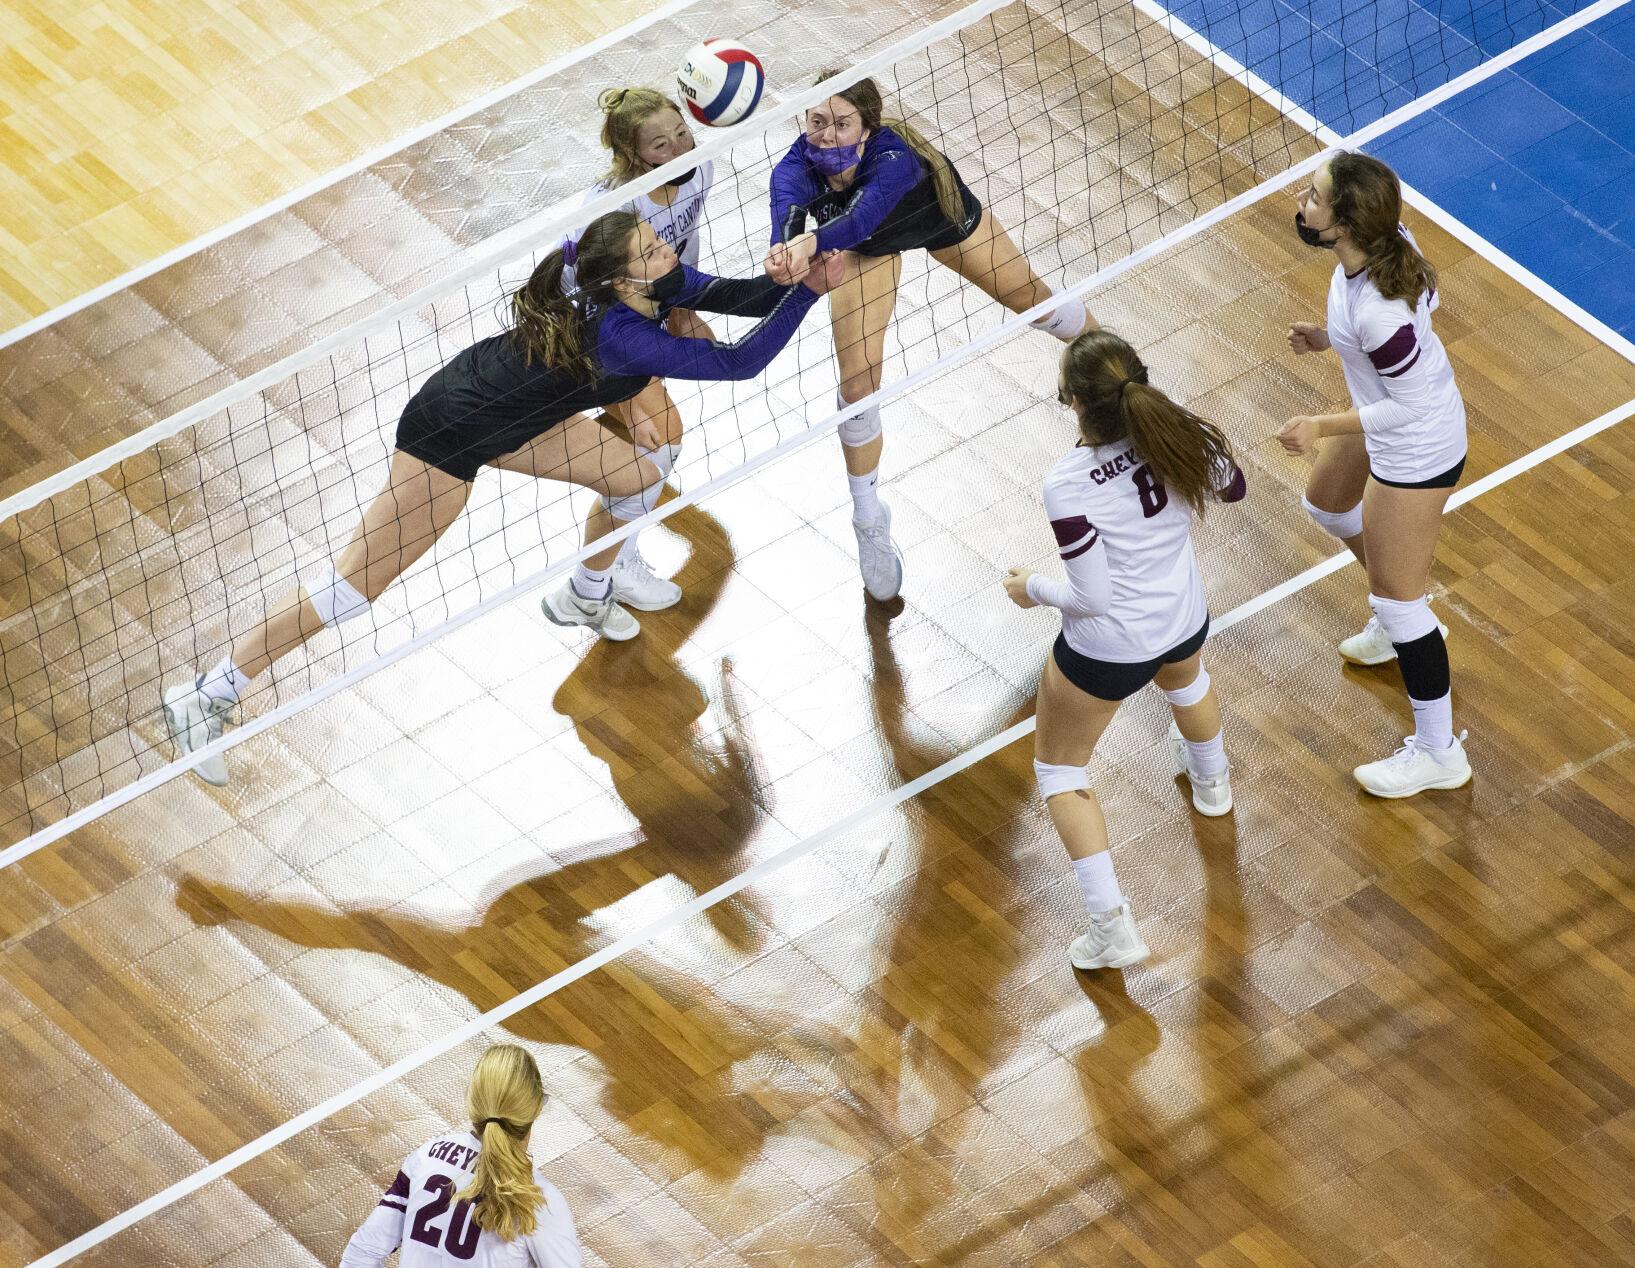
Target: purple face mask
833,160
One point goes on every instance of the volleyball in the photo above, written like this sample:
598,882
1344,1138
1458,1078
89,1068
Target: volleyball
721,82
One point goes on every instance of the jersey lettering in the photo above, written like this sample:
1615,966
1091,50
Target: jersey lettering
460,1237
1154,496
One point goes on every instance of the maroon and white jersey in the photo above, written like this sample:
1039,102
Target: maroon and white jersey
1399,376
1133,591
420,1214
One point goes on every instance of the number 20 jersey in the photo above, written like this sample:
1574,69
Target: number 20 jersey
1104,494
419,1213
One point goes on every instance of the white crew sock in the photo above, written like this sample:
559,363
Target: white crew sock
1098,882
591,583
1433,722
225,682
865,496
1207,757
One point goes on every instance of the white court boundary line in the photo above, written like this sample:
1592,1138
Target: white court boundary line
614,950
1273,97
283,202
1013,324
773,863
545,229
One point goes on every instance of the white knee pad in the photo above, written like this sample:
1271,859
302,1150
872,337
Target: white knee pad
1404,620
1341,524
632,506
1065,321
334,598
859,428
664,457
1192,693
1060,779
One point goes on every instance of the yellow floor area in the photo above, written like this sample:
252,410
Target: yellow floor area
130,128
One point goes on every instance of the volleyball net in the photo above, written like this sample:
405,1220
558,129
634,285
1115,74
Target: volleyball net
1088,128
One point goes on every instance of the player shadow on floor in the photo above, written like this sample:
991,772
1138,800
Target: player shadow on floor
669,1088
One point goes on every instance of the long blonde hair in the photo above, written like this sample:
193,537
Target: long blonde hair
624,110
505,1098
1189,455
865,97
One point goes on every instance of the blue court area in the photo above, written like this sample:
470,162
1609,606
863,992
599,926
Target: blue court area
1539,159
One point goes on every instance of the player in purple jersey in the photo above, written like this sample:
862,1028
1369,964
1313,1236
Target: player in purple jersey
521,401
1121,505
872,188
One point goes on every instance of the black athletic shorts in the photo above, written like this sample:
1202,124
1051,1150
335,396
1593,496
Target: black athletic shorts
462,447
1446,480
1119,679
917,223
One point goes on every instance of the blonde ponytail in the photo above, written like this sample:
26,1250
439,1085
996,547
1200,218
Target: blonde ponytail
865,97
505,1098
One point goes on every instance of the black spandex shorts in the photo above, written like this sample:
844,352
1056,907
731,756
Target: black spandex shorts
1446,480
917,222
462,445
1119,679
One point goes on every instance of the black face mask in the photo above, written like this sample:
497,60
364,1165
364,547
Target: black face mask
1311,237
679,181
666,288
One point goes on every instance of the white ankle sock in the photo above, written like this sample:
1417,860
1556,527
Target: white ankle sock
225,682
1098,882
865,496
1207,757
1433,722
589,583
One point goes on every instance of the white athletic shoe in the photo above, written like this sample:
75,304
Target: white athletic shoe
878,558
1370,646
1413,768
195,719
565,607
1112,943
636,585
1211,796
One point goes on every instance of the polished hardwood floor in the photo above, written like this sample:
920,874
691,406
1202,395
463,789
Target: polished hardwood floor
1382,1034
1391,1034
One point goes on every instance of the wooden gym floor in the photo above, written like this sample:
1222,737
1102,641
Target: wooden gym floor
1372,1033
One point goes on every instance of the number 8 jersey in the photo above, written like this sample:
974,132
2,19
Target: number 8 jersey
1133,590
419,1212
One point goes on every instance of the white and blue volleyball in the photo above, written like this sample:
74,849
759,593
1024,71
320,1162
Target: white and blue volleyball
721,82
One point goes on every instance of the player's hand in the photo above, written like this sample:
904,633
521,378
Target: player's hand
1016,585
645,433
777,264
1300,435
1307,336
826,272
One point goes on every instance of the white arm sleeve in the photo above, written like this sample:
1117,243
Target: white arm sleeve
1088,590
554,1242
372,1244
1389,339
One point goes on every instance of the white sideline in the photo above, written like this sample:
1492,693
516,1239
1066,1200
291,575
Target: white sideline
1230,65
550,226
734,885
632,941
333,177
1013,324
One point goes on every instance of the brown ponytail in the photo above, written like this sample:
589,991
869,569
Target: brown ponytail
865,97
546,322
1367,199
1189,455
505,1097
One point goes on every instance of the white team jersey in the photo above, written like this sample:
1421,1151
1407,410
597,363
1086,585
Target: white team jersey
1103,495
1399,377
420,1214
680,225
